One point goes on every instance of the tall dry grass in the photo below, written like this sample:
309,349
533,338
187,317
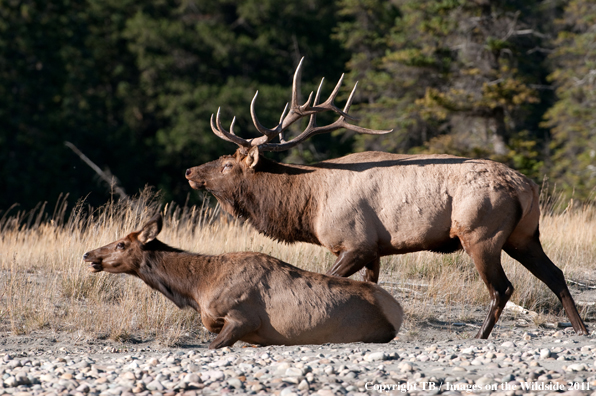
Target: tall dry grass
45,285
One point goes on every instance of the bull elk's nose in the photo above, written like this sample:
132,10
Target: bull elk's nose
188,172
85,256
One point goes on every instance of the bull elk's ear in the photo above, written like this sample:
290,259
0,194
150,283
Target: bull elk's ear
252,158
151,229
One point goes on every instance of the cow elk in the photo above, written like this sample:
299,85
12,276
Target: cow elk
367,205
253,297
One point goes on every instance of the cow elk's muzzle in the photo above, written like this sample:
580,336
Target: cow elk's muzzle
94,263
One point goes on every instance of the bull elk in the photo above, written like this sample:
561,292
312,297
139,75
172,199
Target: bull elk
254,297
367,205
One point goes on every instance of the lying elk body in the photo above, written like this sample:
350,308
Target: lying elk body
253,297
367,205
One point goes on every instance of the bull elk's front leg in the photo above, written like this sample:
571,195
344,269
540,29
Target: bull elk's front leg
351,261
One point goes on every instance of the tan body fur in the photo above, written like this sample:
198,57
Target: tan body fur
254,297
367,205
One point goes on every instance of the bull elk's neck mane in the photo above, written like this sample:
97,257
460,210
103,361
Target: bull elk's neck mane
177,274
279,201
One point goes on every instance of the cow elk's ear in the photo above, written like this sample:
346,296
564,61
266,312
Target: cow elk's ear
252,158
151,229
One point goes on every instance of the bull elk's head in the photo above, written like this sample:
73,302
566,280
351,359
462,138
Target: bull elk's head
211,175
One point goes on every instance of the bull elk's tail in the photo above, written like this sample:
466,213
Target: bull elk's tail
527,228
390,308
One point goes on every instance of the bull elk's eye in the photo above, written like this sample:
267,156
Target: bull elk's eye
120,246
226,167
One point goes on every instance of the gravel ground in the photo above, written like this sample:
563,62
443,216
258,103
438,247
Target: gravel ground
518,360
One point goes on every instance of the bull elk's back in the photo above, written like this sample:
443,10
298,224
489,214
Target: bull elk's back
403,203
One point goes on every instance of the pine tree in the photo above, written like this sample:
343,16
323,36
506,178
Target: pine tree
572,117
453,75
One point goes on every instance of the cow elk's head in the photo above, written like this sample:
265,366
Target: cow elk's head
124,255
210,175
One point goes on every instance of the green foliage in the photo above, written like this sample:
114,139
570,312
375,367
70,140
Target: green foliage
444,62
133,85
571,119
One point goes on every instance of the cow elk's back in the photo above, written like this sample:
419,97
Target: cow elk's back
254,297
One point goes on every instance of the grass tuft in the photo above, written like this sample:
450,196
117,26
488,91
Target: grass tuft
44,283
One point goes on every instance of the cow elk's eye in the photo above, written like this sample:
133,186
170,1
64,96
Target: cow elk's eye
120,246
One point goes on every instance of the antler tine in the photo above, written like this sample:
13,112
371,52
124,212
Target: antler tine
215,130
281,119
343,124
265,131
295,107
350,98
268,134
312,121
219,130
330,102
296,84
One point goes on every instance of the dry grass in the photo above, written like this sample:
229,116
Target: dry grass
45,285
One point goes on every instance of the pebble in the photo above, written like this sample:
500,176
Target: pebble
454,367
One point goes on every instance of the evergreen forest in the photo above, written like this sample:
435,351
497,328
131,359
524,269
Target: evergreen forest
132,85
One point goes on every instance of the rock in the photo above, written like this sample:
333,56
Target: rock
483,381
325,392
375,356
10,382
213,375
289,391
257,387
576,367
22,379
235,383
544,353
303,385
47,378
155,385
192,378
507,378
281,368
14,364
294,372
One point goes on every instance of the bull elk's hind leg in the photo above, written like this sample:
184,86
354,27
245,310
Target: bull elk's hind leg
488,264
531,255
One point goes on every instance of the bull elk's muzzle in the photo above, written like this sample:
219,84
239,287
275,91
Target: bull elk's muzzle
196,184
94,263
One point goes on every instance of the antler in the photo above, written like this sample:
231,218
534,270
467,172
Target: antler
295,113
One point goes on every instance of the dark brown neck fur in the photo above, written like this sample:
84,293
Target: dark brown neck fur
177,274
278,202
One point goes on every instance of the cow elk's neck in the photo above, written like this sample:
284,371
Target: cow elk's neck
180,276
